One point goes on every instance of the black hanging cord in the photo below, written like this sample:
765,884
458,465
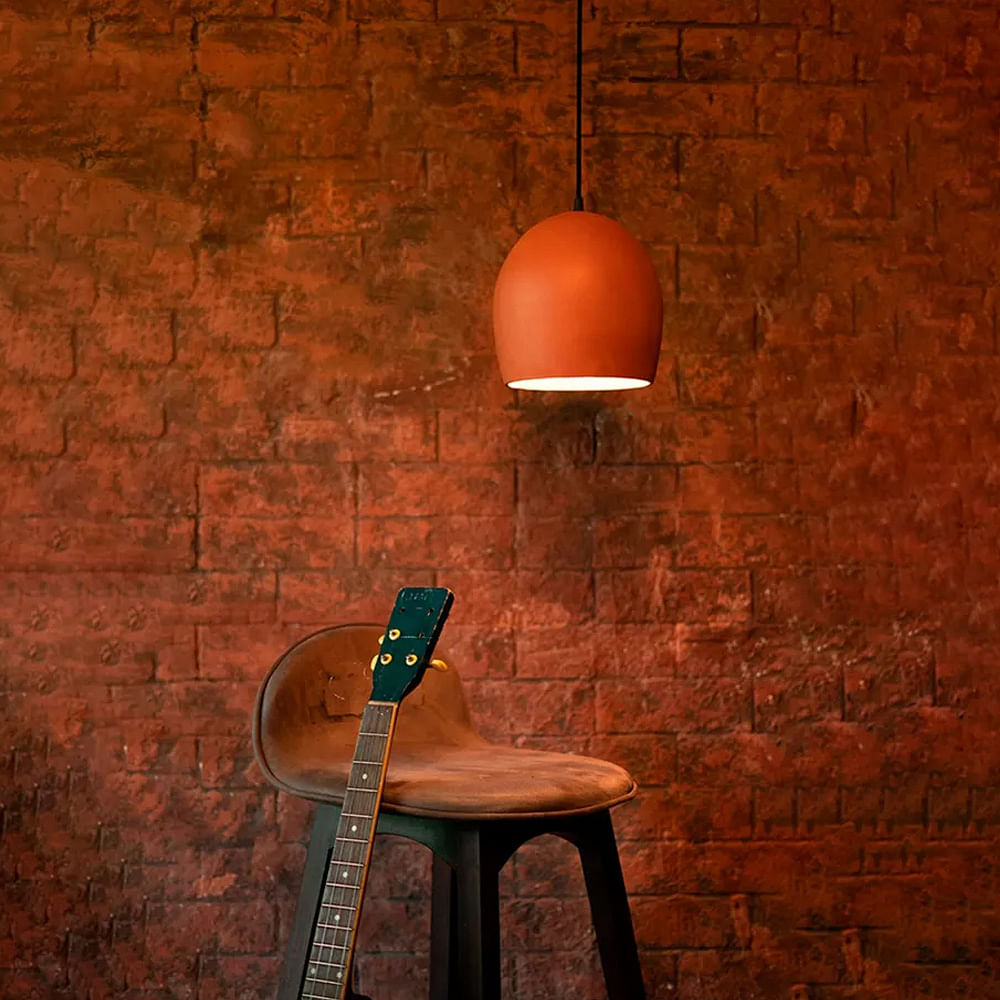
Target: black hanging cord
578,200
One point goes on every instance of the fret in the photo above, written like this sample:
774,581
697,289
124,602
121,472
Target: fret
329,982
340,906
332,882
335,928
329,965
346,855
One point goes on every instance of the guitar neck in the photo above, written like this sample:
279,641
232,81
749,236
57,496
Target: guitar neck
336,924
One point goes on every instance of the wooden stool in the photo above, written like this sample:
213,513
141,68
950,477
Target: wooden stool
471,802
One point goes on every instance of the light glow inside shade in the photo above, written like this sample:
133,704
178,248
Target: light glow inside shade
577,383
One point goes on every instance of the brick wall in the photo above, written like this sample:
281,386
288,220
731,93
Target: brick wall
246,254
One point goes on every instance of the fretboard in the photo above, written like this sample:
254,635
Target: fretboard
336,923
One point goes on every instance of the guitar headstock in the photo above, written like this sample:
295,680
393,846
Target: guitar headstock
410,637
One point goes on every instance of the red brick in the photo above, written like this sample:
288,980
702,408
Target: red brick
742,489
719,381
599,650
328,598
517,709
672,705
250,54
738,54
682,10
724,109
665,595
136,480
706,650
445,542
275,490
29,424
643,50
140,543
221,322
275,543
243,652
635,180
679,811
426,488
724,180
708,273
556,438
556,543
44,353
586,490
371,435
650,759
632,542
714,540
476,651
528,597
797,695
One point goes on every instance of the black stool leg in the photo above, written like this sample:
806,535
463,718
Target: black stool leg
297,952
609,908
477,924
443,972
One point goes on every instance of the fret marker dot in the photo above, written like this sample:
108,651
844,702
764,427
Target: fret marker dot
364,777
338,974
312,970
354,829
336,918
344,873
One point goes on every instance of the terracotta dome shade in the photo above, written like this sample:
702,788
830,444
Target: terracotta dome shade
577,306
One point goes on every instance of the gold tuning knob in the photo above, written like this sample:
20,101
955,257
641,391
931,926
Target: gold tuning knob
381,639
439,665
371,666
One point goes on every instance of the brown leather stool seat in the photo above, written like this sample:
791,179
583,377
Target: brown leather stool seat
471,802
307,719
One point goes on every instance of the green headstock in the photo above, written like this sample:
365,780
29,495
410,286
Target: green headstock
416,622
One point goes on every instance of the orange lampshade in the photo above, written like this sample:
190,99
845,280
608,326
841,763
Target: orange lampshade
577,305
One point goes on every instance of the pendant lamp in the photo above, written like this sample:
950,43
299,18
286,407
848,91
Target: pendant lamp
577,303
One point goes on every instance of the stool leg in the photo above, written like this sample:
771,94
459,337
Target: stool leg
443,972
477,899
297,951
602,871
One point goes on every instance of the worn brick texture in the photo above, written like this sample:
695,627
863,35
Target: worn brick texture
247,250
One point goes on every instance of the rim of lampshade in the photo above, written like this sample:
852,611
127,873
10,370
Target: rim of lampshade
578,383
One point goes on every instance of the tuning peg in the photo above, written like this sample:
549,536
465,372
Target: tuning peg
381,639
439,665
371,666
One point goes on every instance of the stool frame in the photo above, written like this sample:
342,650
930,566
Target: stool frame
465,900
